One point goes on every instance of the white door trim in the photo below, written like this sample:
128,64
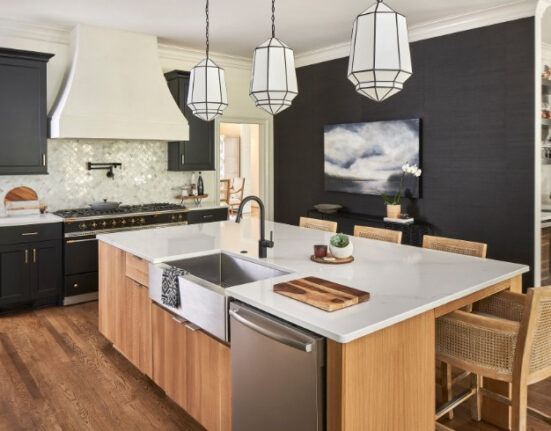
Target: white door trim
266,154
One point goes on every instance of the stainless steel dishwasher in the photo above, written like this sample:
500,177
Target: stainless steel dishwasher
278,373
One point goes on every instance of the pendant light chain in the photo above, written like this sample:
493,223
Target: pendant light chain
273,18
207,96
274,80
207,31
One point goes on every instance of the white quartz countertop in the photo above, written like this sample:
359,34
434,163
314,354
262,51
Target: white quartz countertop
29,219
403,281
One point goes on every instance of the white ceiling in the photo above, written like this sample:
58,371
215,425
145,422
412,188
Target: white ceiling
237,26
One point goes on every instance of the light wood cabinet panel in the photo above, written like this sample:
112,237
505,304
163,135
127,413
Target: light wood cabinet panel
371,379
169,358
111,291
135,342
193,369
124,309
209,381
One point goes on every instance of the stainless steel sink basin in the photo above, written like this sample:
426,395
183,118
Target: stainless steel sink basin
225,270
202,297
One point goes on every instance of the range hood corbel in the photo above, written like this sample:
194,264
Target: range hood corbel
115,89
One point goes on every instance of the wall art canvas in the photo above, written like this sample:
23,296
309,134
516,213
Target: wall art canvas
367,158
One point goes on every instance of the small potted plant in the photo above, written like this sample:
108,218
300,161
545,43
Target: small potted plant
393,203
340,246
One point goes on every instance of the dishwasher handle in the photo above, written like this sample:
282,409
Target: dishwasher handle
291,342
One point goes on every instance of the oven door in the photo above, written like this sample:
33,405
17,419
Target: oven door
80,255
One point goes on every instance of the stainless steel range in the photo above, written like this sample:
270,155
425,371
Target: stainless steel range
80,248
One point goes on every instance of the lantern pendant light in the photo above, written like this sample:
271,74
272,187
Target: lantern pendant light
380,61
274,79
207,96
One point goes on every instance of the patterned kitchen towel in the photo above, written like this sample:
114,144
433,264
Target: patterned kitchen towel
170,286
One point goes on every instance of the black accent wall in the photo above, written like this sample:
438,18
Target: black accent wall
474,92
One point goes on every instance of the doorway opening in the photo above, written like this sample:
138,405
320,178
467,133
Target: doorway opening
240,165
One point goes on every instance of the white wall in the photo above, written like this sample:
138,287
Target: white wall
55,41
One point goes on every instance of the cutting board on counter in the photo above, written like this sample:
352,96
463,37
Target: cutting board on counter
321,293
19,194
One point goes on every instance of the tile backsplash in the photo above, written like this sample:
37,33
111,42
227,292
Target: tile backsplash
143,177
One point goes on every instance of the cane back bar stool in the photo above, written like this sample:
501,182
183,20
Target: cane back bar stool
507,339
314,223
469,248
379,234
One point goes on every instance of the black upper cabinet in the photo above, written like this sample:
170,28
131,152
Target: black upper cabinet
197,154
23,116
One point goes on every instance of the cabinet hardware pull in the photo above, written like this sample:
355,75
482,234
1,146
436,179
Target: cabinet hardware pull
75,285
179,320
44,159
26,257
34,255
72,241
29,233
192,327
208,216
183,159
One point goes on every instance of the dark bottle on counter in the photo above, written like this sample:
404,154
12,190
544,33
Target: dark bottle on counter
200,185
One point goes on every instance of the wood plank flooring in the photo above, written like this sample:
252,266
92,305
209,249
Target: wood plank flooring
57,372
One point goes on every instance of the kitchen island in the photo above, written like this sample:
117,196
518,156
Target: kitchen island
380,354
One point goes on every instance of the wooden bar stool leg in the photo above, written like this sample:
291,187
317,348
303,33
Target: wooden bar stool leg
520,405
476,402
447,384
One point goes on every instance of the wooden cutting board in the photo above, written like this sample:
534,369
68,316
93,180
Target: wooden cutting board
321,293
20,194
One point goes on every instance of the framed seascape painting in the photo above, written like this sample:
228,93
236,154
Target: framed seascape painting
367,158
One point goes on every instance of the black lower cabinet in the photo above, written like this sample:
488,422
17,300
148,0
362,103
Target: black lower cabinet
30,272
46,272
15,274
207,215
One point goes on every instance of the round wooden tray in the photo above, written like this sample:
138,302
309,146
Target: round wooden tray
332,262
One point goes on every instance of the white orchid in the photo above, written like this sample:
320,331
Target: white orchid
406,169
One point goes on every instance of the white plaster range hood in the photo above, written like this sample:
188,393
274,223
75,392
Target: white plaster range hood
115,89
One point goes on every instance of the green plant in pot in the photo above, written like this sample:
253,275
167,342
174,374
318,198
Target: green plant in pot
394,203
340,246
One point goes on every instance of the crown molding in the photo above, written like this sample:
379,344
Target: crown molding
429,29
193,56
62,35
31,30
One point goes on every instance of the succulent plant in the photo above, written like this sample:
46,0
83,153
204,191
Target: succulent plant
340,240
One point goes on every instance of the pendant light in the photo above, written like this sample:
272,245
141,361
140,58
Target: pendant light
274,79
207,97
380,61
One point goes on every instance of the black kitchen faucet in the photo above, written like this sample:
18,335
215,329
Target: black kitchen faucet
263,244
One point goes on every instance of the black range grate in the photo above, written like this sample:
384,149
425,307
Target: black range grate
123,209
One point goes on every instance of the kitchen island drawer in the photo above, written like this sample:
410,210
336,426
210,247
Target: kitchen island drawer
137,269
30,233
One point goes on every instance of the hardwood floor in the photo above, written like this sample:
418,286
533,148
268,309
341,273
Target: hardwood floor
539,397
57,372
